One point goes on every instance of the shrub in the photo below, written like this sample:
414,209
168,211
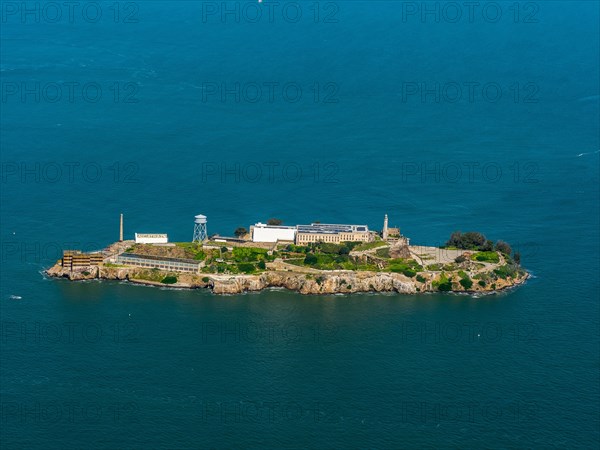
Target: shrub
445,287
443,284
421,279
460,259
466,283
240,231
481,283
310,259
329,248
409,273
170,279
506,271
85,272
246,267
261,265
223,249
205,279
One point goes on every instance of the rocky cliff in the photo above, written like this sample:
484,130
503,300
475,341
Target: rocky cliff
333,282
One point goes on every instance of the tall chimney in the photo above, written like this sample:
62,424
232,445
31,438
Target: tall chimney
384,233
121,229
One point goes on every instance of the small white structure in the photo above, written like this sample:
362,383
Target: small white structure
153,238
262,232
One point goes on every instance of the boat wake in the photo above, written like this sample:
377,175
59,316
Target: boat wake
588,153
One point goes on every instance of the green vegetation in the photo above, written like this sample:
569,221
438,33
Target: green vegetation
503,247
369,245
311,259
240,231
466,282
261,265
506,271
383,252
478,242
421,279
205,279
246,267
470,240
85,272
443,284
407,267
249,254
490,256
169,279
481,283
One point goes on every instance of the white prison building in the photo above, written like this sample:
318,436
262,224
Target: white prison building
155,238
262,232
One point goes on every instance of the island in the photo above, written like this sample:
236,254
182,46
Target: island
309,259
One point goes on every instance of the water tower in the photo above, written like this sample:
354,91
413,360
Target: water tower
200,234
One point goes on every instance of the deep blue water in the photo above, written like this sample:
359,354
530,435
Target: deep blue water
108,365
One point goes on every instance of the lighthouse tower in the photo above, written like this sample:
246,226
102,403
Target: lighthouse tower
121,229
384,233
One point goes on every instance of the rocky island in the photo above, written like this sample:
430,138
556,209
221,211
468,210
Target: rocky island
378,262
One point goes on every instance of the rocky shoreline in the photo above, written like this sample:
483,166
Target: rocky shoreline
326,282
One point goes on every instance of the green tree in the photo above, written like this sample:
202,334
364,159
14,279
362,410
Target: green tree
503,247
517,258
240,231
310,259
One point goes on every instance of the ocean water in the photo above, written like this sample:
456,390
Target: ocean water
332,111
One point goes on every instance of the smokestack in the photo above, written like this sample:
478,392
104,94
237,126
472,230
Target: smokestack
121,229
